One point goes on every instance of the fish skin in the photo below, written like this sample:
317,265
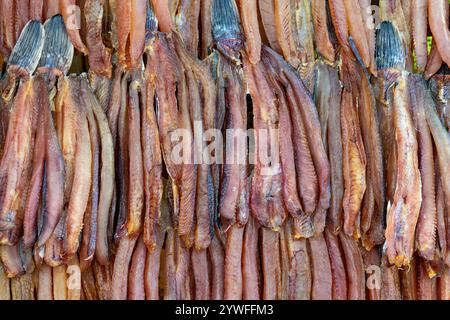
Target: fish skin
403,212
15,165
68,10
162,12
355,23
55,172
249,20
322,39
434,62
152,157
438,11
266,10
355,268
354,164
427,223
232,270
266,190
310,118
99,56
81,183
226,30
419,18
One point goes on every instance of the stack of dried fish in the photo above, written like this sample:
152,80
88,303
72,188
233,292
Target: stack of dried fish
224,149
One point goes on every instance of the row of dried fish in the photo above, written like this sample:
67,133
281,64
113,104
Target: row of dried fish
89,182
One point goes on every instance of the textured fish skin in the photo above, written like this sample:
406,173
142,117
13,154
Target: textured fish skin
16,160
290,191
81,182
309,117
372,216
337,265
23,61
68,10
55,172
236,119
438,11
300,277
99,56
354,164
57,53
249,19
162,12
226,29
266,200
152,157
322,38
187,21
434,62
403,211
427,223
266,10
442,142
355,24
419,18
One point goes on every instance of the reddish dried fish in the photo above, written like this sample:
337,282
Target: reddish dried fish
136,170
205,28
11,260
136,275
322,38
266,191
217,259
390,281
338,272
434,62
162,12
152,159
16,159
308,114
438,11
372,263
299,278
119,289
419,19
354,163
236,119
99,55
355,268
270,261
201,277
233,271
36,10
81,184
321,269
328,100
152,266
249,19
340,22
45,282
404,211
73,24
355,22
426,286
187,22
427,223
409,282
89,238
374,201
250,267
